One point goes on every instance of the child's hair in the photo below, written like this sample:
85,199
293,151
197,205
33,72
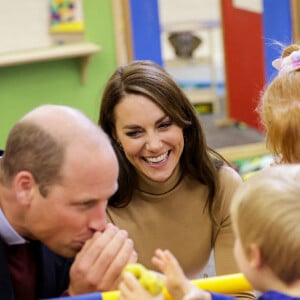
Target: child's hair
266,211
279,109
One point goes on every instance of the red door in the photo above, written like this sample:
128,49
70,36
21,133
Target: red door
244,62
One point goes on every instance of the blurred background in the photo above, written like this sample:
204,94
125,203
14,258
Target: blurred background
219,52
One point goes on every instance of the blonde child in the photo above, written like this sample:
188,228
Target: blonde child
279,108
265,216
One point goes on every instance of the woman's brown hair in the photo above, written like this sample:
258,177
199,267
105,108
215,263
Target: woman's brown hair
152,81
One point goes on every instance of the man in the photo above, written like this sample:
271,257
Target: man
56,175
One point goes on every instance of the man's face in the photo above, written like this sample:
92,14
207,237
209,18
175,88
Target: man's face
74,209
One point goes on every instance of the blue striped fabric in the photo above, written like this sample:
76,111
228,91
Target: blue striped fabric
90,296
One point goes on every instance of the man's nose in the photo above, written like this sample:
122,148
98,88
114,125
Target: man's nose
98,219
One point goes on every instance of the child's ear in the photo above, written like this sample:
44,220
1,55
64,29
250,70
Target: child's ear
254,256
23,185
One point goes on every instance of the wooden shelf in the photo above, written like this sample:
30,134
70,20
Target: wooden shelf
244,151
178,66
201,95
185,62
84,51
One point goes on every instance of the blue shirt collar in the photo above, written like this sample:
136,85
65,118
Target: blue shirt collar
7,232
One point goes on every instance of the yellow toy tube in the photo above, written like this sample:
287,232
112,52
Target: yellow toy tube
225,284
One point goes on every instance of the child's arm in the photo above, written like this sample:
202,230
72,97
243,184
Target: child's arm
138,282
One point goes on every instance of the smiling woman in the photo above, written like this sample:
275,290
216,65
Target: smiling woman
173,189
152,143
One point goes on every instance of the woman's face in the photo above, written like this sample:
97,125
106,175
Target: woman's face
152,142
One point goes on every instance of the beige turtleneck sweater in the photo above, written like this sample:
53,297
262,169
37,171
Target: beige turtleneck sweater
171,215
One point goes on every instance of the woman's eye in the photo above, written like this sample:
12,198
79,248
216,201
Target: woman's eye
133,133
165,124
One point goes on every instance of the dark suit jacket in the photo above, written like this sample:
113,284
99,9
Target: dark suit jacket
52,274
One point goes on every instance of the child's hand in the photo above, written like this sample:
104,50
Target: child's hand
176,282
130,288
150,280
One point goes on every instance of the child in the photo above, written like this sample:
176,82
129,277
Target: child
265,216
279,108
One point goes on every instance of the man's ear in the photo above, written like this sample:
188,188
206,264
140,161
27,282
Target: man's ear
24,185
254,256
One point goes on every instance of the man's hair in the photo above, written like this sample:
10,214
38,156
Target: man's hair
31,148
266,212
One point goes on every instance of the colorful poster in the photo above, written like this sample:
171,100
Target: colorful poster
66,16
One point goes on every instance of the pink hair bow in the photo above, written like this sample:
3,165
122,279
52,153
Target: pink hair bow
287,64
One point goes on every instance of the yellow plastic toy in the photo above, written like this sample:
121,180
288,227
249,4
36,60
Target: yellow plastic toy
225,284
148,279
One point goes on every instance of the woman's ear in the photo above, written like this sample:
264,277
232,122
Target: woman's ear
254,256
117,141
24,185
115,137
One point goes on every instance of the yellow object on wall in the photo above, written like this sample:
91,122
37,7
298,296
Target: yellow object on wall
68,27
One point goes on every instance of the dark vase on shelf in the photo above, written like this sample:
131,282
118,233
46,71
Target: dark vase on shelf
184,43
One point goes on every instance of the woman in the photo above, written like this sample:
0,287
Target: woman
174,191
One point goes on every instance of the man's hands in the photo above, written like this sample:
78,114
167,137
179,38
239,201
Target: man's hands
98,266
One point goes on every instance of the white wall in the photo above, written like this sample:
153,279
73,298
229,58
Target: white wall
190,14
179,10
